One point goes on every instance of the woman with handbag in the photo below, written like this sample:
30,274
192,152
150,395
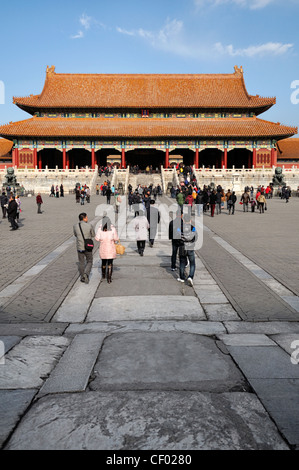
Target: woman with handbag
107,236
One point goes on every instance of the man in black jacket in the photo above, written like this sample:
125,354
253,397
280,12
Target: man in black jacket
153,217
174,234
12,213
4,202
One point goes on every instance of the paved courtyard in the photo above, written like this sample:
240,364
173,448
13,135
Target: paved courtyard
102,366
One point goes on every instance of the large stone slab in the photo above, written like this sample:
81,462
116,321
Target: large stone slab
210,294
160,360
147,307
75,306
146,421
280,397
220,312
246,340
289,342
197,327
142,286
74,369
33,329
268,328
137,260
13,404
29,362
137,272
264,362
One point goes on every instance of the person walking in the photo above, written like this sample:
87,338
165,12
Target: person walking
18,201
57,191
107,236
245,198
12,212
231,203
39,203
137,203
262,202
4,204
84,230
180,198
218,202
108,194
213,202
117,199
78,194
82,196
130,200
287,194
153,217
253,204
141,227
227,196
186,251
175,229
61,190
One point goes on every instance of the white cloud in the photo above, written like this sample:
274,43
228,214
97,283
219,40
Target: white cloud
170,38
269,48
78,36
125,31
85,21
251,4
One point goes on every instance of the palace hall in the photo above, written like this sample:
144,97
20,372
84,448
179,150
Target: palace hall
81,120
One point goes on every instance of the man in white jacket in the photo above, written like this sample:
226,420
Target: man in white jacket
141,227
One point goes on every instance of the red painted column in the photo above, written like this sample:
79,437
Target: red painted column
225,158
196,158
40,161
167,158
254,158
93,160
123,158
34,158
14,157
273,157
63,159
67,159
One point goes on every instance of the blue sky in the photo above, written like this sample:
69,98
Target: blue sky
156,36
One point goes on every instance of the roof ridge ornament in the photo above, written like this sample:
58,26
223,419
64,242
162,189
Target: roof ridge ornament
238,70
51,69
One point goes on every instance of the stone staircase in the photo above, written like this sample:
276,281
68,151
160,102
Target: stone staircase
145,180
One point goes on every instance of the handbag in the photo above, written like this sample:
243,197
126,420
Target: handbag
120,249
88,243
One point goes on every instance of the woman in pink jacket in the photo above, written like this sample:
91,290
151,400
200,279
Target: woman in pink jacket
107,236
